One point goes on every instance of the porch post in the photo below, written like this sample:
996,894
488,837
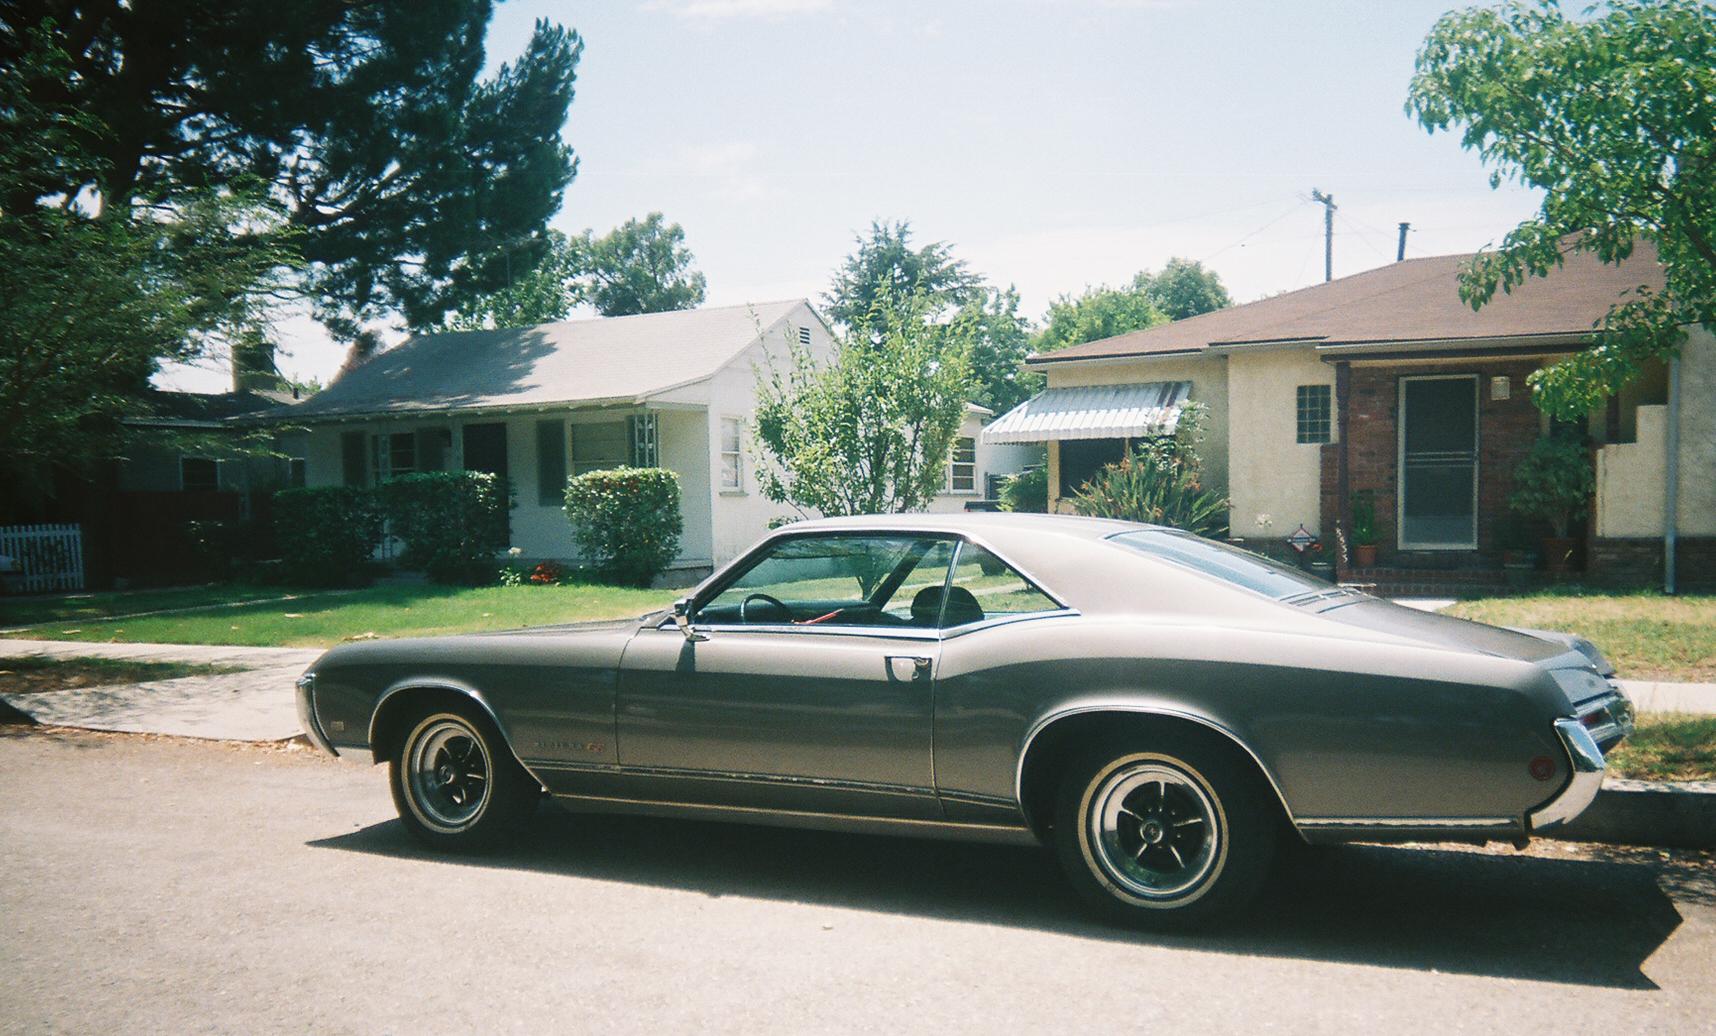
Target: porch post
1343,384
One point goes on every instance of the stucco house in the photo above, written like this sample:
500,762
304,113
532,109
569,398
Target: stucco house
1386,382
675,390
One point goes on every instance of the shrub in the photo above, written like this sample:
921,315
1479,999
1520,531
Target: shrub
1028,491
1160,482
1554,482
453,522
327,535
626,521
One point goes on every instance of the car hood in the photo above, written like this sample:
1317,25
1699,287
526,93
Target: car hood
1443,631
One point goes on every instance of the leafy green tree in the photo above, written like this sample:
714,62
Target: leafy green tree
885,269
414,184
872,432
638,267
541,295
999,340
1184,288
1613,118
1099,313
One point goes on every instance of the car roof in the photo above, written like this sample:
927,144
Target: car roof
971,522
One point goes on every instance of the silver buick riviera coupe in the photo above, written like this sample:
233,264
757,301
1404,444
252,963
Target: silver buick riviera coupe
1160,709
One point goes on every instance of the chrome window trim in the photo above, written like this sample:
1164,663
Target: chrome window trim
820,629
1019,832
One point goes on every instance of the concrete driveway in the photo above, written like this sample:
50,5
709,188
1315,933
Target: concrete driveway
162,885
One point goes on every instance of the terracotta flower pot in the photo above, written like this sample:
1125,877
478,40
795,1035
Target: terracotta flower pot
1364,555
1558,552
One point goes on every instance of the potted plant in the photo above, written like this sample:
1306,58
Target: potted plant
1364,529
1518,542
1554,483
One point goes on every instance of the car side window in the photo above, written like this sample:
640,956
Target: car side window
838,581
985,587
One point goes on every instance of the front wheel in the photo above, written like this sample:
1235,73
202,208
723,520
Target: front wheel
1176,837
456,784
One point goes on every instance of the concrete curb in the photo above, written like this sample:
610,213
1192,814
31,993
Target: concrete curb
1678,815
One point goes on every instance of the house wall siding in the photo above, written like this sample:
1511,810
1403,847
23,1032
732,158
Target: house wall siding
1271,472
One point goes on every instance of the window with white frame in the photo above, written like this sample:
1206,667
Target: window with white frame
732,454
1312,414
962,466
604,444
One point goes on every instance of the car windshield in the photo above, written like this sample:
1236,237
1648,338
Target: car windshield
1241,568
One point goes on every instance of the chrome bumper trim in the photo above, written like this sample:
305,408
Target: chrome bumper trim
306,686
1582,787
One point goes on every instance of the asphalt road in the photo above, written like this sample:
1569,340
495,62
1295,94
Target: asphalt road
152,885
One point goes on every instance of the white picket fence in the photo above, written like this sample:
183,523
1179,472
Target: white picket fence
43,557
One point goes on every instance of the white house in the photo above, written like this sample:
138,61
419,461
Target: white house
675,390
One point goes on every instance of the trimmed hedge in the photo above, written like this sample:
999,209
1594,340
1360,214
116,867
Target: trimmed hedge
627,521
453,522
327,535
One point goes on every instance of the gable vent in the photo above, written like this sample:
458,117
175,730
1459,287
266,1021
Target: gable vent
804,336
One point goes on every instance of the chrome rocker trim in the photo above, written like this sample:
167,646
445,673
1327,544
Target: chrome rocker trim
1582,787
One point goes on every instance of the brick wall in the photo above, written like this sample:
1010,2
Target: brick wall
1506,430
1638,562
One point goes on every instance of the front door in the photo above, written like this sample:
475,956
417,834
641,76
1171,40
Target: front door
812,692
1439,463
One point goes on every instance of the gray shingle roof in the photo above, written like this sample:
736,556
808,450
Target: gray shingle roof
611,359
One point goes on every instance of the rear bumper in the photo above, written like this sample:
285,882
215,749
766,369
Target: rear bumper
307,714
1581,789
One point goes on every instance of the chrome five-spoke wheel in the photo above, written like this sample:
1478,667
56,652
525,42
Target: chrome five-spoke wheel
449,772
455,780
1155,830
1171,837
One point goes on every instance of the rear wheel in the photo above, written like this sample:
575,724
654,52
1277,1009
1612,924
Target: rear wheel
455,781
1167,838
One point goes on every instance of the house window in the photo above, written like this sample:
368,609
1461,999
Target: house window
550,463
598,446
485,448
354,468
1313,413
804,336
395,454
433,447
645,453
732,457
962,467
1083,459
199,475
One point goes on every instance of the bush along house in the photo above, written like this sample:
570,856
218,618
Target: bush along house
1386,395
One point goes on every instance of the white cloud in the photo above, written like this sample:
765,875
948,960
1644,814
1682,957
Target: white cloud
712,10
730,169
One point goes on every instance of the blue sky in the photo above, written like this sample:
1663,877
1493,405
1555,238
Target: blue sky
1054,144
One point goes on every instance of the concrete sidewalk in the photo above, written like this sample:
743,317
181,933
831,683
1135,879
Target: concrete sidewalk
255,704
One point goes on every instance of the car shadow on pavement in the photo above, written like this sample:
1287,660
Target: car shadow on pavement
1587,922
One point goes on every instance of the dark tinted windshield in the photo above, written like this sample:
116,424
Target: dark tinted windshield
1229,564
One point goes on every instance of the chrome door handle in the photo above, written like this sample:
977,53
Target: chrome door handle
920,666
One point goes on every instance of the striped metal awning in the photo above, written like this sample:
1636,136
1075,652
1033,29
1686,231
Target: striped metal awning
1092,412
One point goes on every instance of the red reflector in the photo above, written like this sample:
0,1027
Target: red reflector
1595,719
1542,768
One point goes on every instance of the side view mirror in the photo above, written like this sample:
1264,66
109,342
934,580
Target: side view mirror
682,619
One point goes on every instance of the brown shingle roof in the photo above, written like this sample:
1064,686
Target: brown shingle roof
1416,300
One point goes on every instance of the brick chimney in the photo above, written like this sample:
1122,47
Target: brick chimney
253,366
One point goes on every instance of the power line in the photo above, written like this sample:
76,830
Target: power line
1290,210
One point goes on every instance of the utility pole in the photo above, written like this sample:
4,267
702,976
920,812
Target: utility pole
1327,201
1400,253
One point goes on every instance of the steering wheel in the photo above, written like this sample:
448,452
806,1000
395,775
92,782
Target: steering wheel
786,613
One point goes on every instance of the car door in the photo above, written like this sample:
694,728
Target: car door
812,689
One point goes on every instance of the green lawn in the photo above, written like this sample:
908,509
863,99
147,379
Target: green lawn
318,619
1668,748
26,611
1646,636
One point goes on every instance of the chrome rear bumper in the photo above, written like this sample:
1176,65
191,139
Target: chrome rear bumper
1582,787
